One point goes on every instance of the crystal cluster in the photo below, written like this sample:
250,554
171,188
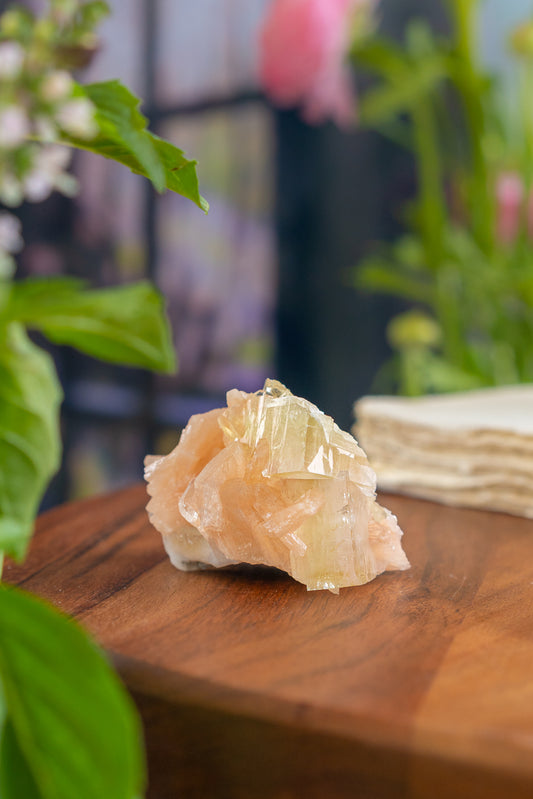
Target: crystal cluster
271,479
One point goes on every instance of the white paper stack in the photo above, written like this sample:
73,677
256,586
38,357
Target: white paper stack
472,449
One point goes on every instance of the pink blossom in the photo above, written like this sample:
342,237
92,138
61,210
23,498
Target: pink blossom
303,49
510,194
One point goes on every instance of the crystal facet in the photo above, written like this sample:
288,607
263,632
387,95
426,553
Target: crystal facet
271,479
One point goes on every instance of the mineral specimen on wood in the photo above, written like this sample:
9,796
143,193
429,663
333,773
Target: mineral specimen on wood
271,479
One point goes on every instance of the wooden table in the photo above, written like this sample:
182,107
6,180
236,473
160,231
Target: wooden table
419,684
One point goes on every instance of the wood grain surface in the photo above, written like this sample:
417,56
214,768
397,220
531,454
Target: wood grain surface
419,684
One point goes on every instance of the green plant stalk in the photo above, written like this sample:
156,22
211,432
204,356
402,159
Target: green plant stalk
468,81
433,214
431,201
526,93
409,377
448,312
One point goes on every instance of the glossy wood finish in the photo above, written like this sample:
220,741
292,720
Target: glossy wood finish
419,684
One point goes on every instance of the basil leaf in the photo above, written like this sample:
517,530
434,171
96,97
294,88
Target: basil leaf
122,125
123,137
180,174
72,721
2,712
16,779
30,444
124,324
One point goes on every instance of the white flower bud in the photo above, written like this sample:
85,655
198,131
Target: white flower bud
45,128
11,192
10,233
14,126
77,118
11,60
67,184
47,173
7,265
37,186
56,86
54,159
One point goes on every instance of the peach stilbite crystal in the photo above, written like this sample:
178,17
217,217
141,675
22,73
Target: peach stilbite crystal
271,479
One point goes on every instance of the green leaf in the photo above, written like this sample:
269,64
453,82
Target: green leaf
125,324
383,277
380,55
410,253
3,712
420,39
180,174
71,720
123,137
123,126
30,444
410,87
16,779
91,14
441,376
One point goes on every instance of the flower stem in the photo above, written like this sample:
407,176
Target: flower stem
448,308
432,210
433,215
469,82
526,86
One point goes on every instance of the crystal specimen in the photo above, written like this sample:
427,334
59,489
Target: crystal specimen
271,479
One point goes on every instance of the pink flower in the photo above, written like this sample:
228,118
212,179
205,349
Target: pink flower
303,49
510,194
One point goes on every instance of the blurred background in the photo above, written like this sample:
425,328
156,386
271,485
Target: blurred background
261,286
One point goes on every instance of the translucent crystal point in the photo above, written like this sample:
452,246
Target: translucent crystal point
271,479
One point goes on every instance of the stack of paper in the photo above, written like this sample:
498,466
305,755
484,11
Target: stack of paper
473,449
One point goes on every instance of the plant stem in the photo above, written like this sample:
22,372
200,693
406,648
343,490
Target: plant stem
526,89
468,80
409,374
433,216
432,210
448,310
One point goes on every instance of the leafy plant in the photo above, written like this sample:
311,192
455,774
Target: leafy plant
466,261
67,727
464,265
70,729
